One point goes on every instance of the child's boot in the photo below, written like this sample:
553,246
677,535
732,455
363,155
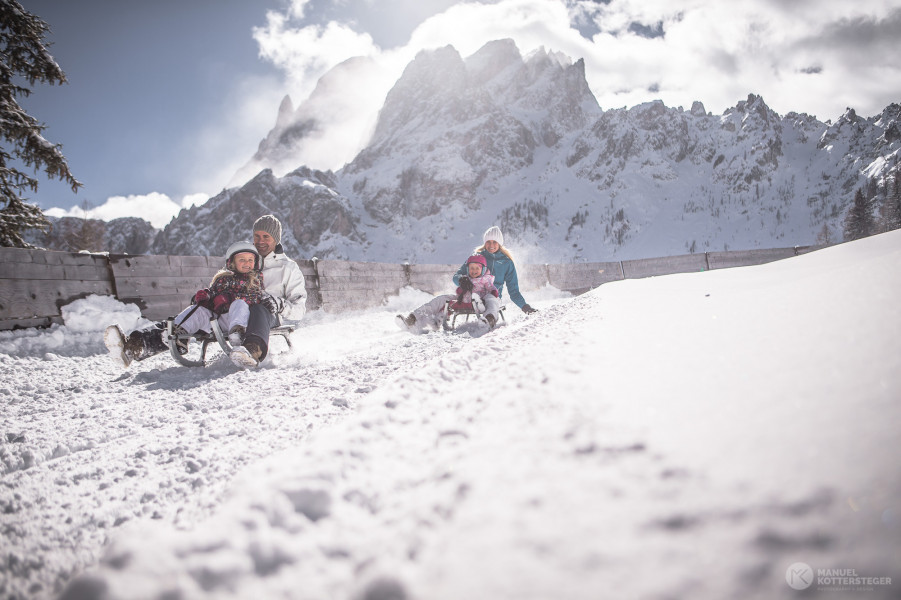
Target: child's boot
236,335
246,356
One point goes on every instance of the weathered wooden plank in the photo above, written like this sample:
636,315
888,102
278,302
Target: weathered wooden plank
352,284
434,268
19,255
580,277
667,265
157,286
158,307
333,267
69,258
531,276
17,270
34,298
337,301
436,285
743,258
50,257
7,324
142,266
195,261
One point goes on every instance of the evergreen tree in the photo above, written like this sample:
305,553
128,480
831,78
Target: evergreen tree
85,233
24,58
859,222
824,237
890,212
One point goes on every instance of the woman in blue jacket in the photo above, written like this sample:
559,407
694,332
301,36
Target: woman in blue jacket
500,263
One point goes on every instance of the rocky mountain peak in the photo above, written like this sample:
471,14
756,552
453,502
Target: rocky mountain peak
491,59
285,113
498,138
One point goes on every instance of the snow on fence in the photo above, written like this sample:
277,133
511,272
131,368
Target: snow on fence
34,284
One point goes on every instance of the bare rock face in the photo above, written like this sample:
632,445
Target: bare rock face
311,212
519,141
468,123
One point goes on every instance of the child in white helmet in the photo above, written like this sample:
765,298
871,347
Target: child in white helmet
232,291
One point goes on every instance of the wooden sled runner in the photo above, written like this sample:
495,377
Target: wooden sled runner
204,339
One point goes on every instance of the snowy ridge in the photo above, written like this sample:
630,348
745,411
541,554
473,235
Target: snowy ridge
498,138
710,429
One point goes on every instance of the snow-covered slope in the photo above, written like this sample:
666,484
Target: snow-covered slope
684,436
498,138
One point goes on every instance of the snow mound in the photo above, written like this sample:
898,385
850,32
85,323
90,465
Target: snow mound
80,335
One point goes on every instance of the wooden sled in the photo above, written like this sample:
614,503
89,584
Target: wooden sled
454,309
204,339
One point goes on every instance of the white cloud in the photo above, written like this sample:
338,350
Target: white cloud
154,207
229,137
791,53
304,54
815,56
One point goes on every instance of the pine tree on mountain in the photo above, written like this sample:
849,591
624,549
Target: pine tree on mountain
824,237
24,55
85,233
859,222
890,211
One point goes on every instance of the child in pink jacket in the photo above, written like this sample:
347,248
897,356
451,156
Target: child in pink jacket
477,287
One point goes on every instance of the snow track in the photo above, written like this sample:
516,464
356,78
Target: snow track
90,446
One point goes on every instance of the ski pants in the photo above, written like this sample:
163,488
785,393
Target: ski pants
192,322
431,313
259,324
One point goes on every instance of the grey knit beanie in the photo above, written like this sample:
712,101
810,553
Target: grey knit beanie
270,225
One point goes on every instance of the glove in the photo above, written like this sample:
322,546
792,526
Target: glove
528,309
201,297
273,304
466,284
221,302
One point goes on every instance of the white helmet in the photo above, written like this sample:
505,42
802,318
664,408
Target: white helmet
238,248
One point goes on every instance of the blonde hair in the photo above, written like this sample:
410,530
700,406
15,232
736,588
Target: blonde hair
501,248
253,278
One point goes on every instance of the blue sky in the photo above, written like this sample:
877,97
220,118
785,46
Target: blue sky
166,100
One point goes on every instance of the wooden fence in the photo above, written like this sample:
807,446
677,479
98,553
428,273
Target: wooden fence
35,284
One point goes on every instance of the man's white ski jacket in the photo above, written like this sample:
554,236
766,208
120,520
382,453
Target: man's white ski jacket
282,278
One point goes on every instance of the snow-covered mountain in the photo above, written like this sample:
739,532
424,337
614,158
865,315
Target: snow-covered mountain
125,235
498,138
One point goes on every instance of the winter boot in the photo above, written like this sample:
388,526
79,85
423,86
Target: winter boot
408,322
246,356
115,342
491,321
236,335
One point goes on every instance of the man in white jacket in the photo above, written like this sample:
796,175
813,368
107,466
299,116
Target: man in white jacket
284,300
285,288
